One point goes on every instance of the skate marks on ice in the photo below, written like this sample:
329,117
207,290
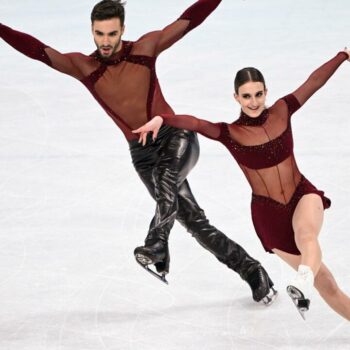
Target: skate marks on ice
23,149
57,292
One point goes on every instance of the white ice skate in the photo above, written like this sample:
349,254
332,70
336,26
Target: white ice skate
300,289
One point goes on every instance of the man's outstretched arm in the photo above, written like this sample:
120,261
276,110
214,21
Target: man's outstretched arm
35,49
198,12
189,20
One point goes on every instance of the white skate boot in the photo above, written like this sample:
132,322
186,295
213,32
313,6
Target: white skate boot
300,289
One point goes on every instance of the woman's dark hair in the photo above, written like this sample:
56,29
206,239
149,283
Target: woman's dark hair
107,9
246,75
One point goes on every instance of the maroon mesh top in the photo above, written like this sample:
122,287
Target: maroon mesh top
125,85
263,146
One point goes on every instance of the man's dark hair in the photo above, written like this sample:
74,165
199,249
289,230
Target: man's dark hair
107,9
246,75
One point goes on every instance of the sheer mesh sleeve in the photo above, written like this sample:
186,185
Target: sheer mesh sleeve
319,77
189,20
35,49
188,122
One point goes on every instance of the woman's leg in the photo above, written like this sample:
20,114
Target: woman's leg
307,222
331,293
324,283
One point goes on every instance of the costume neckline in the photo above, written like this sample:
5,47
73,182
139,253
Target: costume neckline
117,57
244,118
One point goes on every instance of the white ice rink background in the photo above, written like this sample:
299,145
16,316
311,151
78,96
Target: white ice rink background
73,209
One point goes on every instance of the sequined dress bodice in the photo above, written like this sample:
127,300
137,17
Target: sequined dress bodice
263,148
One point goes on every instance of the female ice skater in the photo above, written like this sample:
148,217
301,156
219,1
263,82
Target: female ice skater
287,210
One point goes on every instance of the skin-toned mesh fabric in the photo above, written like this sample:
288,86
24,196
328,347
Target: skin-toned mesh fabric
263,146
126,84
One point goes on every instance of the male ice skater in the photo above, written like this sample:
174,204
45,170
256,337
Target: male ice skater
121,75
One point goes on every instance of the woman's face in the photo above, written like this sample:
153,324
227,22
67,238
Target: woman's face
251,96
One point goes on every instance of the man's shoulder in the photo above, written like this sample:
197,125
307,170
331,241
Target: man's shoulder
149,37
78,56
147,43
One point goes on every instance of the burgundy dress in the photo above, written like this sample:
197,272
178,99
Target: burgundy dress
263,148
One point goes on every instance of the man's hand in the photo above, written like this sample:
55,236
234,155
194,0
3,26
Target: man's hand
152,126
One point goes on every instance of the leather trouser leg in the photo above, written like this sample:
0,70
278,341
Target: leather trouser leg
193,218
163,167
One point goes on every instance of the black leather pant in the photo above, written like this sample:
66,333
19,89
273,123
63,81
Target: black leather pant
163,166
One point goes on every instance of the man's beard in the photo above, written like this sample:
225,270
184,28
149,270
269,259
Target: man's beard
110,50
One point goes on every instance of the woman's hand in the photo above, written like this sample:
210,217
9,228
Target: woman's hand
347,51
152,126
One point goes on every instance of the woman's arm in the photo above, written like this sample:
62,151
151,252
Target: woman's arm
188,122
319,77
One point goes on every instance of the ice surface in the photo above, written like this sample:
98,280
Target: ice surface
73,208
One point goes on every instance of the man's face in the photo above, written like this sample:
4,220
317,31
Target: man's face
107,36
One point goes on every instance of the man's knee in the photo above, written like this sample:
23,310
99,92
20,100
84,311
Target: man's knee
195,223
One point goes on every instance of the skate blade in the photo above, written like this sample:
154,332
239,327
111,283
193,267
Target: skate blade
297,296
270,298
144,261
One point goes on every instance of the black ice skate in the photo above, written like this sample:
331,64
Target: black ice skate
154,253
261,286
302,304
